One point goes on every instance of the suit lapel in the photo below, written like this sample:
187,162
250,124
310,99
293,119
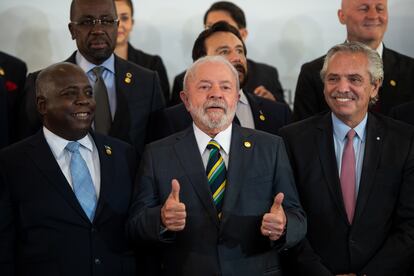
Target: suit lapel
188,155
373,148
107,176
259,117
327,157
240,157
43,158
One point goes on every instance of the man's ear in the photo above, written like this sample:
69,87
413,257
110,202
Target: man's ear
341,16
184,99
243,33
41,104
72,30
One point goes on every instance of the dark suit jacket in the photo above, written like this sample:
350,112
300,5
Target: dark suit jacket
13,73
404,112
135,102
258,74
43,229
207,246
379,241
152,62
268,116
397,87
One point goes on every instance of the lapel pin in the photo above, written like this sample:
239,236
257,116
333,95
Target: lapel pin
247,144
393,83
378,138
262,116
128,77
1,71
108,150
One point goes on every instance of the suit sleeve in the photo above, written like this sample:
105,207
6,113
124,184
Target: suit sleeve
396,254
162,74
7,228
296,218
144,223
278,89
306,102
158,101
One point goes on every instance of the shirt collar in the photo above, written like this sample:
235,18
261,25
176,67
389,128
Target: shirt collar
341,129
380,49
223,138
87,66
243,98
58,144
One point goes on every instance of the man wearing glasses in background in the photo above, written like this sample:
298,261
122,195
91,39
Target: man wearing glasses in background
125,93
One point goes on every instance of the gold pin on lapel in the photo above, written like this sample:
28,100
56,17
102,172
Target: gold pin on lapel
262,116
378,138
108,150
1,71
247,144
128,77
393,83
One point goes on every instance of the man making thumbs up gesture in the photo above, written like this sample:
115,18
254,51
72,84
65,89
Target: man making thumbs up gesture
212,195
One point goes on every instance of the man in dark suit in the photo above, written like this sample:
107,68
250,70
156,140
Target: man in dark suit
252,111
404,112
54,222
354,172
263,79
133,92
12,74
366,22
213,220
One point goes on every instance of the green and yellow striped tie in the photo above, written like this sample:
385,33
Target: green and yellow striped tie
216,175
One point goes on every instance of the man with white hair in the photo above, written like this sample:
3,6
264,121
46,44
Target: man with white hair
219,197
354,173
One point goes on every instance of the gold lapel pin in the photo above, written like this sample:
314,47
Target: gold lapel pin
378,138
128,77
247,144
393,83
1,71
108,150
262,116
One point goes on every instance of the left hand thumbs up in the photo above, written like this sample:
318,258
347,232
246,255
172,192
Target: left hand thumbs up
274,222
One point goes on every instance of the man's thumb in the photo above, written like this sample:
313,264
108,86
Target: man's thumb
175,190
277,203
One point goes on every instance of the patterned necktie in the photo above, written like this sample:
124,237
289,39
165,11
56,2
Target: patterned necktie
216,175
103,119
82,181
348,176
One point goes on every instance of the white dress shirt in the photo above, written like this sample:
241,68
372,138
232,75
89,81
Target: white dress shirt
88,151
223,138
244,111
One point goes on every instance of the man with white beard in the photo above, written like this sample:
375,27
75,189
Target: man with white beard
218,197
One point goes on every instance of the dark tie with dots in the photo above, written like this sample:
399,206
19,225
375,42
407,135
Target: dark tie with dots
103,119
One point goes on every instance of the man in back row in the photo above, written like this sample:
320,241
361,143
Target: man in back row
263,79
366,22
125,93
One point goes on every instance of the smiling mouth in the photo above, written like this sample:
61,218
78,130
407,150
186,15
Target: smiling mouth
81,115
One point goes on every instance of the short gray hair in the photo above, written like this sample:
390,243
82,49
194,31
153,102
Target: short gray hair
210,59
375,67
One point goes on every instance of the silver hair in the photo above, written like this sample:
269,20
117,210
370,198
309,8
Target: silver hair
375,67
209,59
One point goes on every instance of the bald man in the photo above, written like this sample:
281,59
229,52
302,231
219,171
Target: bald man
64,192
366,22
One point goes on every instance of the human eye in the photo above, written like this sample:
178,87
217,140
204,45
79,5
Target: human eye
223,52
380,8
332,79
355,80
124,17
87,22
107,22
204,86
89,92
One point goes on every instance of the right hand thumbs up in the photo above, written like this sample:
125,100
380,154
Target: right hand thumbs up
173,212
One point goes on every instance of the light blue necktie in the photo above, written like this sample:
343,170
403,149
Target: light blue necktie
82,181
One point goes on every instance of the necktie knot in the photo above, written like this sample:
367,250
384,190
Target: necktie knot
351,134
73,147
98,70
213,145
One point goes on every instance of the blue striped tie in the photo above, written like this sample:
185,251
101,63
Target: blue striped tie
82,181
216,175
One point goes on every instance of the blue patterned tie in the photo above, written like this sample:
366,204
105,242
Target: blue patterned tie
82,181
216,174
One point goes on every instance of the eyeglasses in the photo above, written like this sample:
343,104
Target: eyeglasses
93,21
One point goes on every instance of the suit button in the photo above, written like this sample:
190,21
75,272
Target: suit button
97,261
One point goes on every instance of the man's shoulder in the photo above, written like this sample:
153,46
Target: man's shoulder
132,67
9,60
392,126
140,57
111,142
304,127
314,65
260,67
399,56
